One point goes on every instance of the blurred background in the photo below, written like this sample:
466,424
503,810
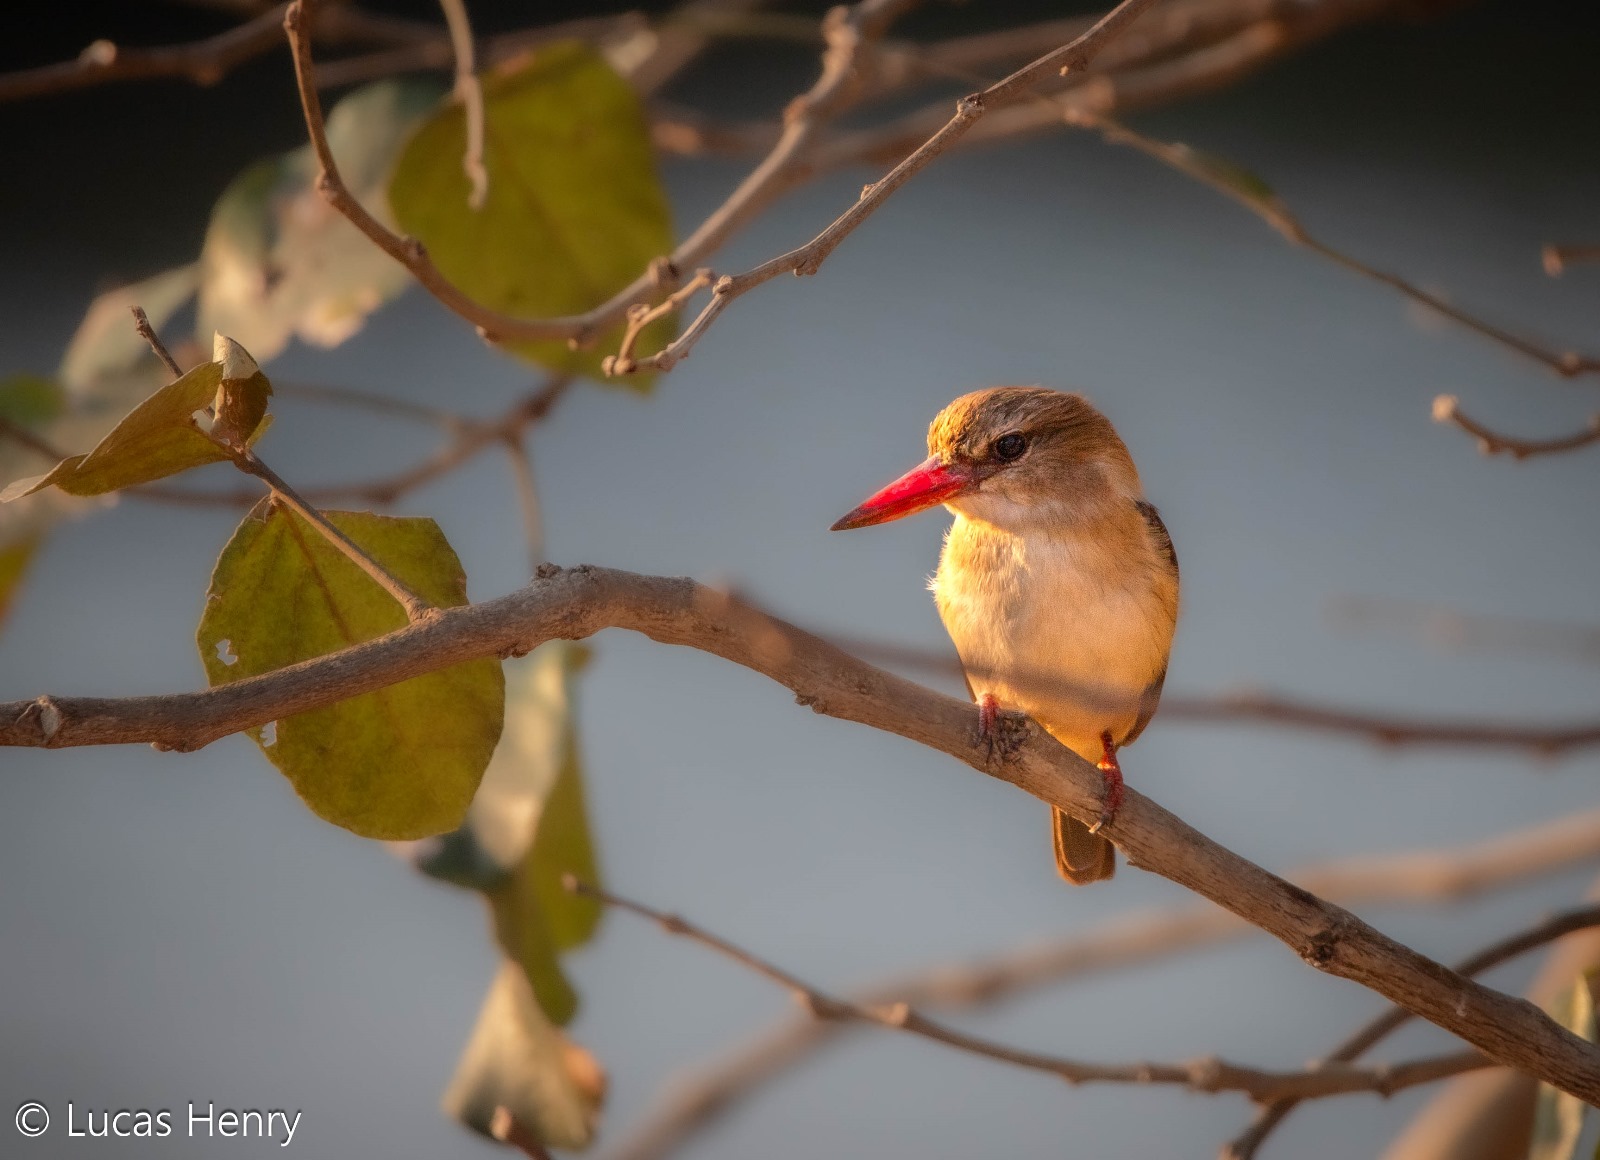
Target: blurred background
178,927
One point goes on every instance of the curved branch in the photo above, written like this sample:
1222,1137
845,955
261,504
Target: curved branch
578,602
694,1100
1207,1074
1370,1034
1447,409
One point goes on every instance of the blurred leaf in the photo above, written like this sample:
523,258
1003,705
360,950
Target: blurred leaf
515,1059
106,342
14,560
528,826
156,439
30,400
1557,1116
575,208
401,762
1240,180
279,262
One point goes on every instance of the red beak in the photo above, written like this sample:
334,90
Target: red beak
928,483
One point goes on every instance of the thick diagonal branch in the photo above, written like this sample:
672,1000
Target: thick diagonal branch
579,602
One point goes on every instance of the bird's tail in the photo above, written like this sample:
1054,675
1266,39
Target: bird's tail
1081,857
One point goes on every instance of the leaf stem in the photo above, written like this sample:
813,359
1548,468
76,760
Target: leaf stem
248,462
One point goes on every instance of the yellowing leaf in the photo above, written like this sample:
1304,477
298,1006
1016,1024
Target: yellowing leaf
528,827
575,208
402,762
1557,1116
516,1060
157,438
279,261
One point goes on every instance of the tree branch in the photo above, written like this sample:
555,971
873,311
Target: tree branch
576,603
1447,409
693,1101
1506,949
1208,1074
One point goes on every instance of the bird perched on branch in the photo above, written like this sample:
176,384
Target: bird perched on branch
1058,583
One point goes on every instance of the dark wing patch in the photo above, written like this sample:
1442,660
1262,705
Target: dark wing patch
1147,707
1158,531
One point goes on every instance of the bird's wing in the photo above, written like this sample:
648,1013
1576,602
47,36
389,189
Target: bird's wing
1158,532
1152,693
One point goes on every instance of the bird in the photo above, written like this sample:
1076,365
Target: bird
1057,583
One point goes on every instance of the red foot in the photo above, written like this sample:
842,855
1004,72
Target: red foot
1111,778
988,717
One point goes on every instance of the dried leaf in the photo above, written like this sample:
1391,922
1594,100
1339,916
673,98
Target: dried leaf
279,262
517,1060
106,343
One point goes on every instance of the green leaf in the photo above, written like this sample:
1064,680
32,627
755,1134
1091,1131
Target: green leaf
156,439
279,262
528,827
30,400
517,1060
400,763
14,560
1557,1116
106,343
575,208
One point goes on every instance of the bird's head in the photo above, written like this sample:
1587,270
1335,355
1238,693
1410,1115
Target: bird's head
1014,457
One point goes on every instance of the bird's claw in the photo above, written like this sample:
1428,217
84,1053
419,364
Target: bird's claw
1111,784
996,733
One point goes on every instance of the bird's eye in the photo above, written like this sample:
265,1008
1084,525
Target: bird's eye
1009,447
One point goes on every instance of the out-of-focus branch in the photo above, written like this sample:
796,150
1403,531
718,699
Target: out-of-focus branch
1451,628
469,439
1557,258
204,62
1475,732
1208,1074
1248,191
470,93
576,603
1368,1036
1447,409
692,1102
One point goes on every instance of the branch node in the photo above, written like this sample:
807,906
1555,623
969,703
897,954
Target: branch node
548,571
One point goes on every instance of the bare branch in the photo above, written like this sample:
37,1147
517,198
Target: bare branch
808,259
1207,1074
693,1101
576,603
1451,628
470,93
1541,934
141,323
32,441
1447,409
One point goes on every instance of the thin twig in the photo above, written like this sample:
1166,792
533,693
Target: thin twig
641,315
1452,628
416,607
1245,190
470,93
691,1102
573,604
141,323
1447,409
29,439
527,489
1540,934
808,259
470,437
1208,1074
